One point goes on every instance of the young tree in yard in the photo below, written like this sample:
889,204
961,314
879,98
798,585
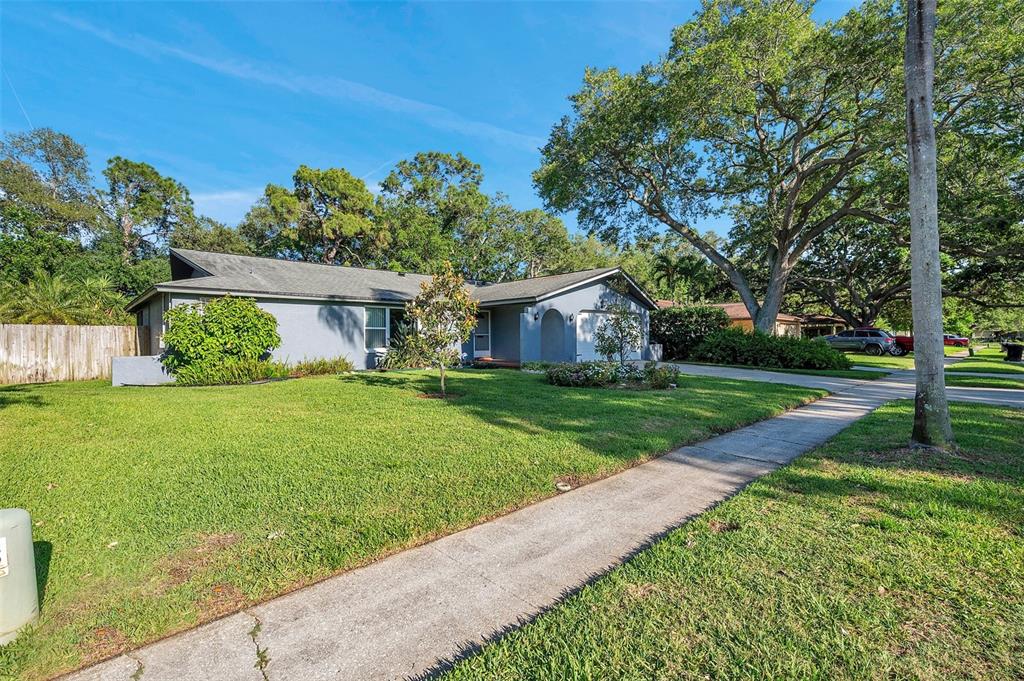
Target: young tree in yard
932,427
444,316
619,334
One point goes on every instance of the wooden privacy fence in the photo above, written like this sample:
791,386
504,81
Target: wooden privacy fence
40,353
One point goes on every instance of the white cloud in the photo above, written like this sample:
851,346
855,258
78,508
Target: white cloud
330,87
228,206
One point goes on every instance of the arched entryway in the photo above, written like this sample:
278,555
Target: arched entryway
552,337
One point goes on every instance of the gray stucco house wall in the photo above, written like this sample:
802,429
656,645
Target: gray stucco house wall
546,318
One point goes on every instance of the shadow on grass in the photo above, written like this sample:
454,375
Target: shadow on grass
622,424
43,551
21,395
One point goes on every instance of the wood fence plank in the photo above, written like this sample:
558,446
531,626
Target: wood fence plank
42,353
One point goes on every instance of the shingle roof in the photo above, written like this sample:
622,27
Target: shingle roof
270,276
531,289
240,274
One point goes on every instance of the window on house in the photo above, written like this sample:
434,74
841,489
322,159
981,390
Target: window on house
376,327
382,324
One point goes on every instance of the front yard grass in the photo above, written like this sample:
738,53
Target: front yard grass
964,379
863,559
882,361
158,508
987,360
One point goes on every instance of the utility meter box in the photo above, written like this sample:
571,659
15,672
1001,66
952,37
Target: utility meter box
19,598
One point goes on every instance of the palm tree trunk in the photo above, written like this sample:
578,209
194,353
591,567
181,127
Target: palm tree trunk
932,427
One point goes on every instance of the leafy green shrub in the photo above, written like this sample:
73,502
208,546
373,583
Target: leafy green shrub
405,352
735,346
660,378
234,372
321,367
537,366
580,375
680,329
220,332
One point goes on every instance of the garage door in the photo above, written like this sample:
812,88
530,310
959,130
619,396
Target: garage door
587,324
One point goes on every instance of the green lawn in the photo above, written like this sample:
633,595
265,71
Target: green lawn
987,360
882,361
966,380
861,560
158,508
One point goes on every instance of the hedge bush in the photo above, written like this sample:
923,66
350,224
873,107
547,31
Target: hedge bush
602,374
233,372
735,346
681,329
321,367
219,332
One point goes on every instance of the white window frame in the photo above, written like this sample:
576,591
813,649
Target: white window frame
386,328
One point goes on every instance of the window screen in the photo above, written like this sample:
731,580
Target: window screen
376,327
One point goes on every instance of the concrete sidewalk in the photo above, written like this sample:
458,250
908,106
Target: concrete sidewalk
898,385
412,613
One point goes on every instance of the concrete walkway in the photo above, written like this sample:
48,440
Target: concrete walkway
409,615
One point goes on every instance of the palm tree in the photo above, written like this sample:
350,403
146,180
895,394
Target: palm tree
932,427
52,299
669,270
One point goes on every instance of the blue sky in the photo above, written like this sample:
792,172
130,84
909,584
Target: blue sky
226,97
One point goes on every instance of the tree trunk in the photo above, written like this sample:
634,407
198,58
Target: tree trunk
932,427
127,227
442,379
764,321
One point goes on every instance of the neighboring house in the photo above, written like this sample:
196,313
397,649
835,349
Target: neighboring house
785,324
815,325
330,311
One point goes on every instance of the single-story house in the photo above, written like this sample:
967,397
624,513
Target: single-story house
814,325
326,311
785,324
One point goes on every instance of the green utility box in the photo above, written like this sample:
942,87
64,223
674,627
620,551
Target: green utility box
19,597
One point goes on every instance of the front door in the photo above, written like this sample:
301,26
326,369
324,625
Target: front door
482,334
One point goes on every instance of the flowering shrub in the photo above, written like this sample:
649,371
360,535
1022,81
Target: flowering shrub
581,374
603,374
628,373
660,378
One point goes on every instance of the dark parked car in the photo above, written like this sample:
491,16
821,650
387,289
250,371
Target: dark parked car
871,341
